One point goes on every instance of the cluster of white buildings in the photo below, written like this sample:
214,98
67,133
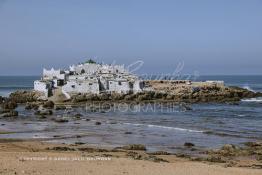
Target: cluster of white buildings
89,78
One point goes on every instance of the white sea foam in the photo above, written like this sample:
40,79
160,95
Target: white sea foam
259,99
248,88
163,127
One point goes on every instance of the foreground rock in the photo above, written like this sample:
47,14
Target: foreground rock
137,147
8,113
49,104
230,155
25,96
9,105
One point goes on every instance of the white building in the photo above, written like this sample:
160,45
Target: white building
90,78
43,86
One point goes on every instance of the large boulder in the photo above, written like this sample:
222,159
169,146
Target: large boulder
10,104
49,105
25,96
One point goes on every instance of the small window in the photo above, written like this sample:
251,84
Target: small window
119,83
73,86
90,84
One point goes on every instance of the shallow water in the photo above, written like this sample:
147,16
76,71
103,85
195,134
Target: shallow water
206,125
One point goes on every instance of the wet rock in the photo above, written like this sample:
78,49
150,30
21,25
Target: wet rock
183,155
1,99
49,105
188,144
79,143
2,111
159,153
97,123
253,144
78,115
185,107
134,155
91,150
216,159
30,106
61,148
61,120
60,108
229,147
128,132
44,112
11,113
135,147
113,123
9,105
25,96
155,159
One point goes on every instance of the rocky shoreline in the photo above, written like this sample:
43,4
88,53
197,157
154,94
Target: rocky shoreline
183,95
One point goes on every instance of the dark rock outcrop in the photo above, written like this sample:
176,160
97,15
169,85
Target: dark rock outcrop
25,96
134,147
49,105
44,112
9,105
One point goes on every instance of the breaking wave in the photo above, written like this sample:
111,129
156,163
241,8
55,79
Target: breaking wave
259,99
248,88
163,127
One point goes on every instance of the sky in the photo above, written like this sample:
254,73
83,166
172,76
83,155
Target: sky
211,37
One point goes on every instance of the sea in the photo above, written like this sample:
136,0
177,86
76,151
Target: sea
159,127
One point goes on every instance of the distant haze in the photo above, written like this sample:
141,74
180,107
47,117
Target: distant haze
211,37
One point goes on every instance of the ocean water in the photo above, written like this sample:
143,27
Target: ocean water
159,127
10,84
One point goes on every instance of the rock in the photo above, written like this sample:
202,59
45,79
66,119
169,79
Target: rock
135,147
60,107
155,159
25,96
49,105
60,148
78,115
160,153
188,144
61,120
97,123
134,155
4,111
30,106
44,112
229,147
11,113
128,132
1,99
216,159
79,143
9,105
253,144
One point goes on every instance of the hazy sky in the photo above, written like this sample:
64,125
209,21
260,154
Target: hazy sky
209,36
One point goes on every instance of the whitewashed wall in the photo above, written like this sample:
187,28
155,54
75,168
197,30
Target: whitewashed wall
81,87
